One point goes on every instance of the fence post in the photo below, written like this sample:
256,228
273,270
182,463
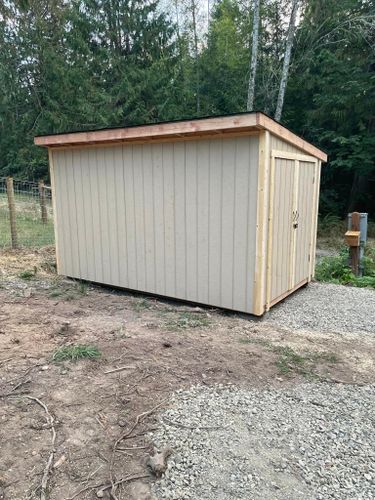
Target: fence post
354,250
12,211
42,200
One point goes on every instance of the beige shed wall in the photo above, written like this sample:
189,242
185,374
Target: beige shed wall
175,219
281,145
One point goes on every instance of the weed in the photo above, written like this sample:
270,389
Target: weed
28,274
141,304
68,293
336,270
188,320
289,360
76,352
304,364
55,292
249,340
82,287
329,357
364,282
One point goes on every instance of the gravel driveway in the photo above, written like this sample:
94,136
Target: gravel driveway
326,307
311,441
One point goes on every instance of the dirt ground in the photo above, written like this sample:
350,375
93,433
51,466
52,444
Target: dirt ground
159,345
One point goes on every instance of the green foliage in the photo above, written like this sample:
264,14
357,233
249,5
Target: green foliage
188,320
336,269
141,304
67,291
334,85
225,61
31,231
27,274
289,361
75,353
364,282
86,64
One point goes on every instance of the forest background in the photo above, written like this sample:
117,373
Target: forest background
87,64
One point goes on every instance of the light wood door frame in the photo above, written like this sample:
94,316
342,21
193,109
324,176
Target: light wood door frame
275,154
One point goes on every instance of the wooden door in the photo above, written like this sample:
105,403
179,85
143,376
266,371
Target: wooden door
291,224
282,219
304,222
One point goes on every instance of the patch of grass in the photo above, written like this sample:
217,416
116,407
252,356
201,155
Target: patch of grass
30,229
28,274
328,357
140,304
289,361
82,287
66,292
76,352
187,320
249,340
55,292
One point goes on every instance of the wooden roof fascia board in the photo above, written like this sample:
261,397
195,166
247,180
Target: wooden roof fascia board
275,128
156,140
173,129
199,128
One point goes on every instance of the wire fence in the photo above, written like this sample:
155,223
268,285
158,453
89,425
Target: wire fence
26,215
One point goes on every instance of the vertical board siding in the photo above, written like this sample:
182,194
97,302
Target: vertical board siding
203,203
169,222
122,268
76,256
214,221
137,168
191,209
179,156
158,193
59,216
228,222
175,219
102,162
149,219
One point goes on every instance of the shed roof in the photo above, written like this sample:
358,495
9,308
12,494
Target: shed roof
229,125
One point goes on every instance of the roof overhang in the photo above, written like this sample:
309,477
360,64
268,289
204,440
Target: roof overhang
231,125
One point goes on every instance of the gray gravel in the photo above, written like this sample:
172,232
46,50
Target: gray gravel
309,441
326,307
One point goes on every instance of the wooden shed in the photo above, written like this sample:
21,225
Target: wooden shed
219,211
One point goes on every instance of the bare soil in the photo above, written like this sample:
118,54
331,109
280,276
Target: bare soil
163,345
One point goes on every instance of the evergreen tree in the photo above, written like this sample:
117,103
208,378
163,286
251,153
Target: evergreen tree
331,98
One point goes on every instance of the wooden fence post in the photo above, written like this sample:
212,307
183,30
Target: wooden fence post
354,250
12,211
42,199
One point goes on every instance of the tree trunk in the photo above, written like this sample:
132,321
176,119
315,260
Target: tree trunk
254,57
358,193
288,52
195,34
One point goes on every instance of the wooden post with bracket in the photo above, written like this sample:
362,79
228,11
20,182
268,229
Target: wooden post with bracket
352,238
